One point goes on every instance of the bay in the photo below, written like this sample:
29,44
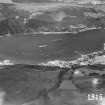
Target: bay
40,48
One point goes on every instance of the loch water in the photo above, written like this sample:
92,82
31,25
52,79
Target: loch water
41,48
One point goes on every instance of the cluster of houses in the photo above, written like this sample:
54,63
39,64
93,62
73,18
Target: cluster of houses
85,59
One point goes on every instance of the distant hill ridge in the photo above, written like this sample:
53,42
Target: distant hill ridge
46,1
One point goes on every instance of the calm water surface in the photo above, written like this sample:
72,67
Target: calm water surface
41,48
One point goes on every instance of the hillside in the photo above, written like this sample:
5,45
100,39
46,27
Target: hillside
39,85
58,1
32,18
